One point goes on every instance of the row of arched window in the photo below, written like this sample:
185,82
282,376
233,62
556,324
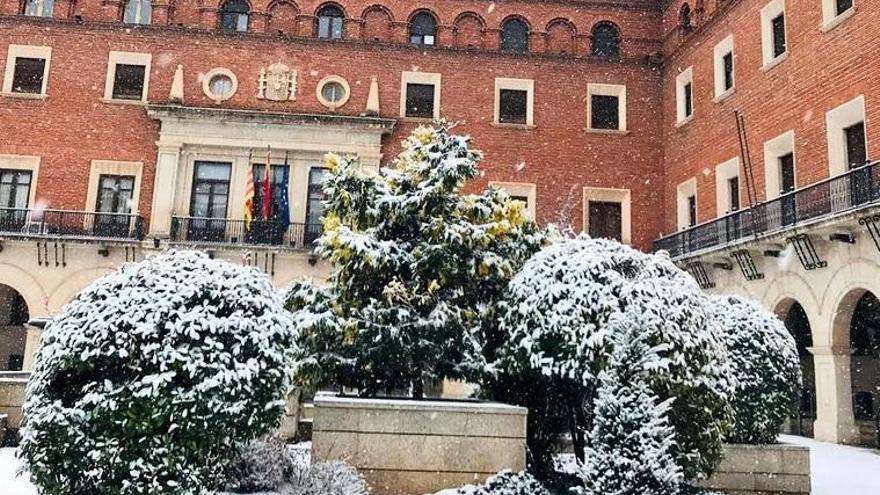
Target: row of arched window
235,15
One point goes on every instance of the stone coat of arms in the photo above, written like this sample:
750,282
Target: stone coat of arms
277,83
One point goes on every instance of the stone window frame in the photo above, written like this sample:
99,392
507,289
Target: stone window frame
724,47
30,163
681,81
407,78
831,19
527,189
505,83
769,12
723,173
114,167
685,190
775,148
319,91
127,58
26,51
610,195
618,90
219,71
836,120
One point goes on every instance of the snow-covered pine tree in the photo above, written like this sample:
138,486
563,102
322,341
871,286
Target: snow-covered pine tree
416,264
632,444
144,382
766,365
558,320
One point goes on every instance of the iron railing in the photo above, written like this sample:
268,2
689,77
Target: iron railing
857,188
21,222
223,231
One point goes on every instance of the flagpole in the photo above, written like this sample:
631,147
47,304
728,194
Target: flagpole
249,192
267,186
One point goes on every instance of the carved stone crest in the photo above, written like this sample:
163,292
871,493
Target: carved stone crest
277,83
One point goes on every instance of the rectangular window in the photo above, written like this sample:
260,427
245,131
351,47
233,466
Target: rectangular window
513,106
778,27
210,190
15,188
604,113
856,151
115,193
420,100
330,27
606,220
733,191
315,204
842,6
692,211
128,82
728,71
28,75
688,99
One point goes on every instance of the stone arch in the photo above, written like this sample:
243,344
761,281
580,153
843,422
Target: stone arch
561,35
282,16
378,22
73,283
794,287
14,317
796,320
469,28
842,293
31,290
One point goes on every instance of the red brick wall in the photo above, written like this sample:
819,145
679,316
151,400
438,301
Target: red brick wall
72,126
823,71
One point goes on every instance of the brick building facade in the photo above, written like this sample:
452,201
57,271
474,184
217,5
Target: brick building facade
615,117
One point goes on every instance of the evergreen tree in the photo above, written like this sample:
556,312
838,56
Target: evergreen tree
416,264
632,443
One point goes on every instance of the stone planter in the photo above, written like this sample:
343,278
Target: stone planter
407,447
779,469
12,387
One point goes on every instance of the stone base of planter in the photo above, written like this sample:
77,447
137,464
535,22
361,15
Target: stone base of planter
780,469
406,447
12,387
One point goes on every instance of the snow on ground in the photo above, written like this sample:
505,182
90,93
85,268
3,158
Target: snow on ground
11,484
839,470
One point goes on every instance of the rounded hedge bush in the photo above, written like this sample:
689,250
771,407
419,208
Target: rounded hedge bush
766,367
144,383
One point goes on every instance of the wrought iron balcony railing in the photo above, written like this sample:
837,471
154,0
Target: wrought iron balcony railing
20,222
855,189
222,231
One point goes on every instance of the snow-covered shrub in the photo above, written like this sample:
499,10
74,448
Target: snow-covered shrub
331,478
417,262
504,483
561,313
262,465
632,442
766,365
144,383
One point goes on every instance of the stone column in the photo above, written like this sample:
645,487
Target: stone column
167,167
835,421
31,344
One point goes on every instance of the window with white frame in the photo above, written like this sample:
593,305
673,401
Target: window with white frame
520,191
687,204
27,70
847,143
724,72
835,11
420,95
684,91
779,165
128,76
774,37
606,107
18,177
727,187
514,101
607,214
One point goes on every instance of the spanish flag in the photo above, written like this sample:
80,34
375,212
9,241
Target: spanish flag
249,195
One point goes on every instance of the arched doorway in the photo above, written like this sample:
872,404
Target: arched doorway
13,333
798,323
864,341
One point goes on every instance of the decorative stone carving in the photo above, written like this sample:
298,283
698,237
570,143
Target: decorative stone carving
277,83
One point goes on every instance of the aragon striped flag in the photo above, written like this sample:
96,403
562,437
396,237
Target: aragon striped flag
249,194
